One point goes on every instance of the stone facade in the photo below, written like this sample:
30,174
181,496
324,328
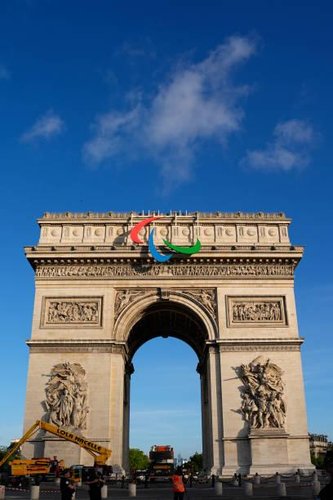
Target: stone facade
99,297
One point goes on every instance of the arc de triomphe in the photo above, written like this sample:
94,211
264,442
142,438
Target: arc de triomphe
99,297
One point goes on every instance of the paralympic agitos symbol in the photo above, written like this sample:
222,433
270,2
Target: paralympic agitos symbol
161,257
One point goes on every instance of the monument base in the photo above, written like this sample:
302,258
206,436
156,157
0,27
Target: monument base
269,451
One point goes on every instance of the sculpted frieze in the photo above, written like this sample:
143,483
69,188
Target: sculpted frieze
149,271
71,311
256,311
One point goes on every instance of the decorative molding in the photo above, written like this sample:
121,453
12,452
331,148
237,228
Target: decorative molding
256,311
255,344
129,215
76,346
120,271
60,312
262,348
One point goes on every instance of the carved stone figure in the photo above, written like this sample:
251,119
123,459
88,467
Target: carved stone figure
124,271
66,396
256,311
206,297
125,297
262,402
66,311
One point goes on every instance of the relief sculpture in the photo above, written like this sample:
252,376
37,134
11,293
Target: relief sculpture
256,311
124,271
72,311
123,298
206,297
263,405
66,396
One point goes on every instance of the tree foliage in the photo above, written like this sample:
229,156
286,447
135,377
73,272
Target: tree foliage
195,462
317,461
138,460
3,451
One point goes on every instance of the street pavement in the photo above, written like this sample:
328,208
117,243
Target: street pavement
50,491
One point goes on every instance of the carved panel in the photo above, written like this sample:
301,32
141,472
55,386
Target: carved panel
151,271
66,396
256,311
70,311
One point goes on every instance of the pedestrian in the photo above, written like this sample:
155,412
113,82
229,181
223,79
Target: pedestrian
95,481
67,486
54,464
327,492
178,485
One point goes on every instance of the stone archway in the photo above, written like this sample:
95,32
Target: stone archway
169,315
96,292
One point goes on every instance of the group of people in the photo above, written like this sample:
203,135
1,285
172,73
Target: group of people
95,481
68,485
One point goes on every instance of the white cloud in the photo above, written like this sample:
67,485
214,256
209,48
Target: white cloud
289,149
4,73
110,130
46,127
198,102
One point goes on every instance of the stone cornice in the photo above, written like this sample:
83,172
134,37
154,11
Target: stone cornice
256,344
77,345
139,252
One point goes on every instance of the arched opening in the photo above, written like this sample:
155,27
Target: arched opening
168,319
161,320
165,398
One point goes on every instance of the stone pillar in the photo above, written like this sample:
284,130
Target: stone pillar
126,424
215,404
205,419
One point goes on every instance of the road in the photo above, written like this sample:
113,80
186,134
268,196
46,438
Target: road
50,491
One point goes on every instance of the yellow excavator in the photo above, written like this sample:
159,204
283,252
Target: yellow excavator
42,465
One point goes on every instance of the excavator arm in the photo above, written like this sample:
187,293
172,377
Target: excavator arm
100,454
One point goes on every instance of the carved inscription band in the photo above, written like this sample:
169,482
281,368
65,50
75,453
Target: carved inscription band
123,271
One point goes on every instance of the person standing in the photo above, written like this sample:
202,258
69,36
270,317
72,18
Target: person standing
95,481
178,485
67,487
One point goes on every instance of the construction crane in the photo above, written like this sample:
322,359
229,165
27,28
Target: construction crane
100,454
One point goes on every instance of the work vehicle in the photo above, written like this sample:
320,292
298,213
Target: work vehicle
100,454
34,466
161,465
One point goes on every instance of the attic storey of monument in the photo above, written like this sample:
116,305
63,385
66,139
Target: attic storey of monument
99,297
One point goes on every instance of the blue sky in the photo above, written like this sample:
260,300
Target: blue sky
190,105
